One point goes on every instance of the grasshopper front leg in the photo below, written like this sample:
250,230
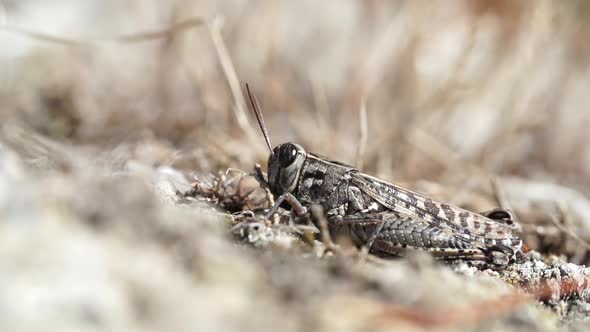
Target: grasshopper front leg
259,176
291,200
286,197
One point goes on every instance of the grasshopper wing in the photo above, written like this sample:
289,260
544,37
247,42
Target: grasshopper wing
467,225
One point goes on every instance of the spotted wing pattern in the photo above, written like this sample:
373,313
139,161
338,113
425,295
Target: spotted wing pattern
468,225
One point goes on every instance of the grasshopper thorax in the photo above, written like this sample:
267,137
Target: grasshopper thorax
284,167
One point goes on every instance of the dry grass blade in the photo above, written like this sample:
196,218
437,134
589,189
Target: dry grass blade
363,133
561,221
37,148
318,213
500,193
437,150
162,33
39,36
501,197
231,77
123,39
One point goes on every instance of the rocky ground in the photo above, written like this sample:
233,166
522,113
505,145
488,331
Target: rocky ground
141,249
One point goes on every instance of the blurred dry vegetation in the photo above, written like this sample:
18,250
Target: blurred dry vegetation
478,103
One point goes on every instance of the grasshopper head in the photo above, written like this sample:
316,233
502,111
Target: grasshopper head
285,161
284,166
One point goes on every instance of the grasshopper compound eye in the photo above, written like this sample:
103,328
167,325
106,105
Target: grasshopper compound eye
287,154
284,167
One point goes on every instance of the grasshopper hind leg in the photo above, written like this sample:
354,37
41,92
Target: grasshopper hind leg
391,234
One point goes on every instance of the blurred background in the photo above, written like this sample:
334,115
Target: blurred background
470,101
501,84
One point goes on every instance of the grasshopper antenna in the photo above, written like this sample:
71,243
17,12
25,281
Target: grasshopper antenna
256,108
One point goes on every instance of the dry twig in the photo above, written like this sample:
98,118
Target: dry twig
562,221
501,197
553,289
142,36
499,193
453,317
232,79
318,213
363,133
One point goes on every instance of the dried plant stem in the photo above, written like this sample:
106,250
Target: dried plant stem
318,213
321,105
172,29
162,33
562,221
363,132
453,317
551,288
501,197
43,37
499,193
445,155
232,79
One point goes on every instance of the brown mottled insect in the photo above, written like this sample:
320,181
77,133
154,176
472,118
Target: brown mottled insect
387,218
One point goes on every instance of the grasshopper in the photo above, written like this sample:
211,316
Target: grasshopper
386,218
